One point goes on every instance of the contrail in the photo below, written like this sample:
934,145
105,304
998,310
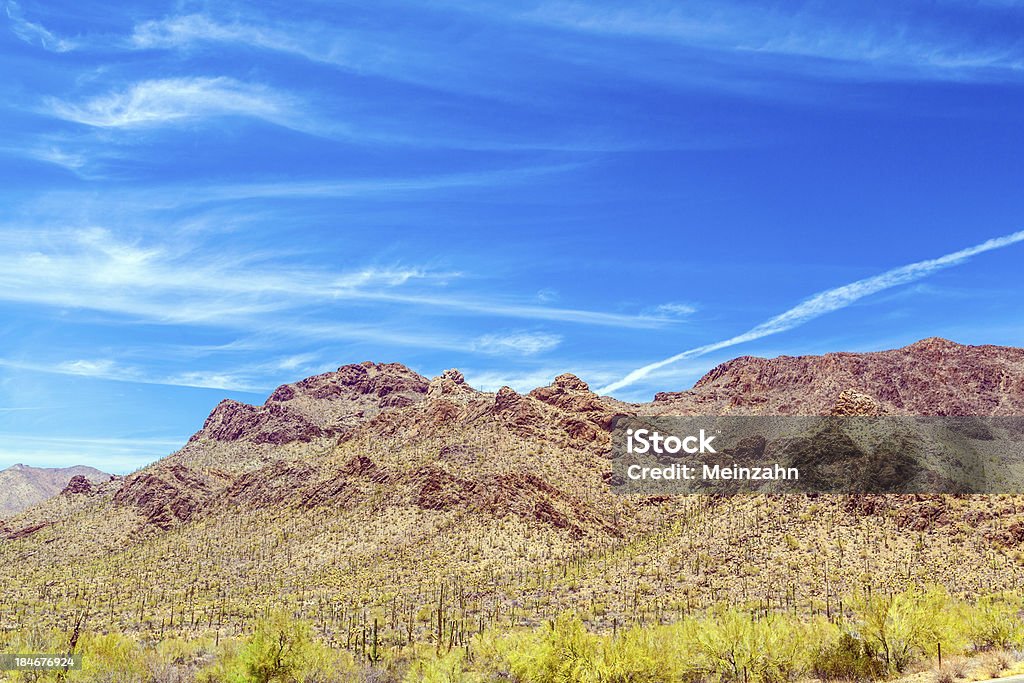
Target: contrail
826,302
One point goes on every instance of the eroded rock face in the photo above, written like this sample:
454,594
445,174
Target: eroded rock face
452,384
79,484
381,385
273,424
570,393
169,495
454,375
506,398
853,402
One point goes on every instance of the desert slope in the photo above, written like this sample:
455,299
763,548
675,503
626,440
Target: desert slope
368,489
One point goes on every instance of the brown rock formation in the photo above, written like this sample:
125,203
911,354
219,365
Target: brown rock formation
931,377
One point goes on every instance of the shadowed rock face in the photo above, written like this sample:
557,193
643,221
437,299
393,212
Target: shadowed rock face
168,495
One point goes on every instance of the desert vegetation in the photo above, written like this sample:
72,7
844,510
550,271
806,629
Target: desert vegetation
873,638
466,536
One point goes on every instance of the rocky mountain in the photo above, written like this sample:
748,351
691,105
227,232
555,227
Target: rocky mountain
22,486
931,377
370,487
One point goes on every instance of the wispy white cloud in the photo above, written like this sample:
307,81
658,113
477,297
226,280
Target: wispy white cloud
86,157
873,44
191,195
33,33
407,57
93,269
827,302
111,370
510,309
360,50
185,30
675,309
294,362
91,368
227,381
171,100
55,155
889,45
179,195
521,343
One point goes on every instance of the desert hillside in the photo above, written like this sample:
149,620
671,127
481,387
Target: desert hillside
375,494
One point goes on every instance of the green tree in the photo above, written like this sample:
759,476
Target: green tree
280,649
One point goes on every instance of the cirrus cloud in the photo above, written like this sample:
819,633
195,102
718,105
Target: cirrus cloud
170,100
517,343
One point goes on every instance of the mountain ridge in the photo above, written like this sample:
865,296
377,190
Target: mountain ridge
934,376
287,449
375,485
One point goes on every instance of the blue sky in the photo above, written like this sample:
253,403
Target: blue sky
206,200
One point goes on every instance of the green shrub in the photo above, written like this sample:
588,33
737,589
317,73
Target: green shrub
443,668
995,622
904,627
845,658
110,658
562,650
281,649
736,646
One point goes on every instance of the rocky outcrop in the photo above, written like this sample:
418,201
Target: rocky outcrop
169,495
308,417
316,407
273,424
452,385
372,385
284,452
79,484
853,402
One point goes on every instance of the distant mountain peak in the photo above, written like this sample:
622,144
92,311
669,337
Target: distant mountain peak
22,486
